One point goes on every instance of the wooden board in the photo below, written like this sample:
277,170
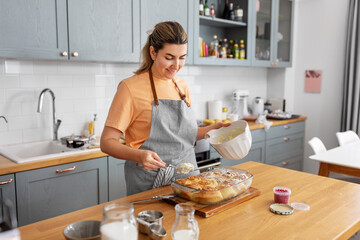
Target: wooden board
209,210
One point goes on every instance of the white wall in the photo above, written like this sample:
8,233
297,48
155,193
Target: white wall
319,43
82,89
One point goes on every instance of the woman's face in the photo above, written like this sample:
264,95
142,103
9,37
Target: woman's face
168,60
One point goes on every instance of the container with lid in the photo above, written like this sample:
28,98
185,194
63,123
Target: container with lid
282,195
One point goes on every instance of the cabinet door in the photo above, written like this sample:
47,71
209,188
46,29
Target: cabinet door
33,29
155,11
104,30
7,191
117,185
52,191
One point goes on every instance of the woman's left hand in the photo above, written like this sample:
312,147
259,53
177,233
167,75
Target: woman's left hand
203,130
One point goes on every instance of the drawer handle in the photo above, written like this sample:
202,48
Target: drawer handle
7,182
66,170
285,163
287,126
286,139
75,54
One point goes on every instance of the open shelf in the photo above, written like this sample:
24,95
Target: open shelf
219,22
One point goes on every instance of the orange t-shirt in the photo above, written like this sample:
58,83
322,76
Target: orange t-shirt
131,109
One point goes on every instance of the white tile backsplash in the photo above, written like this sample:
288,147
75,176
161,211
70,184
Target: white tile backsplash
82,89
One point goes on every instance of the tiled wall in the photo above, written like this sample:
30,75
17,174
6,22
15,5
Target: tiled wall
82,89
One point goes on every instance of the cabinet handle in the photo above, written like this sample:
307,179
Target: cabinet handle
75,54
287,126
286,139
7,182
64,54
285,163
66,170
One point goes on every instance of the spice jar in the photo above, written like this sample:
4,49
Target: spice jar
185,226
118,220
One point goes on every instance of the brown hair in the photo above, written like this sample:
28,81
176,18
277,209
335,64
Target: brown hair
164,32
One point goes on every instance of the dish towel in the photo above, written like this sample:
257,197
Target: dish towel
262,119
163,177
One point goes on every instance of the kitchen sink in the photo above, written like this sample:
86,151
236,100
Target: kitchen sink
33,151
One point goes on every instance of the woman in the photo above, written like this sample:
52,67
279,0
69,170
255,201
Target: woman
153,109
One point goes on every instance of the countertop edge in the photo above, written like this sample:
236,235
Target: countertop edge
8,167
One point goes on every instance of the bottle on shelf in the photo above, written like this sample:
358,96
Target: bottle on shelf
239,14
222,52
242,49
201,8
212,11
214,47
206,9
231,12
226,10
235,50
229,48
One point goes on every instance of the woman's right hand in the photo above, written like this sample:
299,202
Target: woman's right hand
150,160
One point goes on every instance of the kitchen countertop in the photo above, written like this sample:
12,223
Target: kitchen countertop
7,166
334,210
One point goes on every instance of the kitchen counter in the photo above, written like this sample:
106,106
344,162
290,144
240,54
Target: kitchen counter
334,210
7,166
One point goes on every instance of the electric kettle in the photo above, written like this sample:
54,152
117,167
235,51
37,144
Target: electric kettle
258,106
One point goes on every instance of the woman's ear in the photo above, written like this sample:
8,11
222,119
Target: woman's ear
152,53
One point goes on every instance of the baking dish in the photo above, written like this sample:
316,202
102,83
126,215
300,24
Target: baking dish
214,185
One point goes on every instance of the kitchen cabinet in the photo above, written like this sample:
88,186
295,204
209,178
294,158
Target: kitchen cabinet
206,28
285,145
77,30
52,191
7,191
117,184
272,33
155,11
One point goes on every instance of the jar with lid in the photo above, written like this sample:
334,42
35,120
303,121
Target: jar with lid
118,220
185,226
239,14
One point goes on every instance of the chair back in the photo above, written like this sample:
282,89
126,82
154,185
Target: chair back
347,137
317,145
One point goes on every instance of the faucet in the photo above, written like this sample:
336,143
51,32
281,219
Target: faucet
56,123
4,118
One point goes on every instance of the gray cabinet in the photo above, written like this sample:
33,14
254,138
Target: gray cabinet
117,184
7,190
272,33
48,192
77,29
285,145
206,28
155,11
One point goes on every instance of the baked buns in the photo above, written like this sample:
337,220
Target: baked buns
213,186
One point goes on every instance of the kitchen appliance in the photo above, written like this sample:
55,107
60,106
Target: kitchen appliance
277,104
258,106
240,106
202,154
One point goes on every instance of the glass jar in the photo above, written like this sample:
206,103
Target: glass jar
118,222
185,226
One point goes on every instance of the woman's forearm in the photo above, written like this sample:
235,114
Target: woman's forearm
118,150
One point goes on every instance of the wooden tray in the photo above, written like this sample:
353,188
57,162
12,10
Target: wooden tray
209,210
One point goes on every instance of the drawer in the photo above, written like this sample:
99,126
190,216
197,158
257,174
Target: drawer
282,148
286,129
291,163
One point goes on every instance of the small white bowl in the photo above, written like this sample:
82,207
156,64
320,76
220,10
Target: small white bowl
236,148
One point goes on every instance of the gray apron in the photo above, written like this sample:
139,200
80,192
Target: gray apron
172,136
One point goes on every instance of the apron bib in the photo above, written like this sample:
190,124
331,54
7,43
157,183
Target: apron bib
172,136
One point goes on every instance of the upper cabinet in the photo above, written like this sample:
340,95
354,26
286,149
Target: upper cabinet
76,29
233,31
155,11
272,33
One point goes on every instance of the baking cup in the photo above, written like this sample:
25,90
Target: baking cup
281,209
300,206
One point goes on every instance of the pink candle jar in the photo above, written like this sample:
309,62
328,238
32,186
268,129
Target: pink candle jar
282,195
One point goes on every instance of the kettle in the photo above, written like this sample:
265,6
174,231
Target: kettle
258,106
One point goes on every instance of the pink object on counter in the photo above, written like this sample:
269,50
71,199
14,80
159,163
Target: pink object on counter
282,195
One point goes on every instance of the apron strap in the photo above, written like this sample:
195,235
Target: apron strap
182,96
153,88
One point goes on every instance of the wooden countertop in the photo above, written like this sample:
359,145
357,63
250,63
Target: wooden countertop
334,210
7,166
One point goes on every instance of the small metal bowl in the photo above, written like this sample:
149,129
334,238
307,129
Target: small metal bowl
83,230
145,218
157,232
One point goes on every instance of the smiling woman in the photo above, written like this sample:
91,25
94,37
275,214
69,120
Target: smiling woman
153,109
